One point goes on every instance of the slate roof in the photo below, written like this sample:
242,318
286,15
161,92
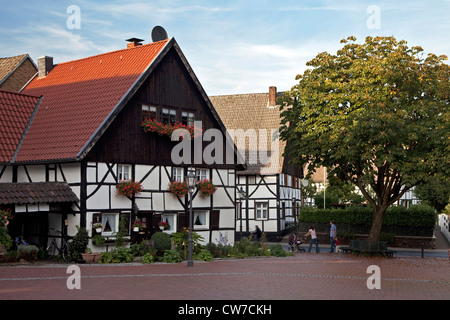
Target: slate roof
79,97
252,112
15,112
37,192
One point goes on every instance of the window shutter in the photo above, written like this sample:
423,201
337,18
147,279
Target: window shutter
214,219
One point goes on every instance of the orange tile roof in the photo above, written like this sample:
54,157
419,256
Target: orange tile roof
79,96
15,112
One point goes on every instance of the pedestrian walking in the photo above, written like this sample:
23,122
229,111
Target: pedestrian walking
332,236
314,240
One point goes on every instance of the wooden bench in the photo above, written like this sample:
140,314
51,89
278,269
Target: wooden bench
368,247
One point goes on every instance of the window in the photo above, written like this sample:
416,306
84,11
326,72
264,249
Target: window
170,219
201,220
169,116
201,174
148,112
177,174
261,211
110,223
187,118
123,172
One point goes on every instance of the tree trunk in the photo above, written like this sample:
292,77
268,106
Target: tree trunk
377,223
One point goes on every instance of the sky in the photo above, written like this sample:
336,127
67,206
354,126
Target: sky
233,46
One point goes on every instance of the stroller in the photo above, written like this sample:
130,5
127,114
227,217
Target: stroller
295,244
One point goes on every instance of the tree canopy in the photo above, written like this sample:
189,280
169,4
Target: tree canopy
375,114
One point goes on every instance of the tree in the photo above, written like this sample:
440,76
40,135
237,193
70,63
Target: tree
375,114
435,191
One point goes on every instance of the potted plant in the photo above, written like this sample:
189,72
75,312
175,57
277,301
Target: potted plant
128,188
91,257
97,226
137,226
206,188
178,188
163,226
79,243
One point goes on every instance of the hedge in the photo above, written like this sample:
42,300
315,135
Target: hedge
416,220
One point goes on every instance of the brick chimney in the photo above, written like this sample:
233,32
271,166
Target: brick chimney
45,65
134,42
272,96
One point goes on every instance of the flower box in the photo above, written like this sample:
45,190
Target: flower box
206,188
128,188
152,125
178,188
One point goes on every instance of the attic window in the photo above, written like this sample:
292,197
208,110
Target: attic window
187,118
169,116
148,112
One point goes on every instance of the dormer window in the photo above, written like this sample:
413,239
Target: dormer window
148,112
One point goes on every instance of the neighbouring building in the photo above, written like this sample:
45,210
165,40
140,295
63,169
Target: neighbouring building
15,72
271,184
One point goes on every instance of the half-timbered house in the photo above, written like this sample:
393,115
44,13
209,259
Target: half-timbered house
85,132
271,184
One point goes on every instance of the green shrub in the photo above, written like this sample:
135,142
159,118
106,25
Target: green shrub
277,251
148,258
161,242
119,255
204,255
171,256
5,238
98,240
219,250
141,249
416,220
27,252
79,244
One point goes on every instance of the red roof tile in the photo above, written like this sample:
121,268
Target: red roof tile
15,112
79,96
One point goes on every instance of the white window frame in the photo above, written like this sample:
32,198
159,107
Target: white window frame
177,174
115,216
261,210
201,174
123,174
201,216
171,115
148,109
172,220
189,116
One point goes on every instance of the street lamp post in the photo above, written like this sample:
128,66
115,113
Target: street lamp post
242,196
190,182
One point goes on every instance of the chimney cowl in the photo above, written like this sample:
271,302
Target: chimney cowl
134,42
45,65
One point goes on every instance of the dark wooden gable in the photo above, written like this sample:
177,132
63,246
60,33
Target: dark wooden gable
170,85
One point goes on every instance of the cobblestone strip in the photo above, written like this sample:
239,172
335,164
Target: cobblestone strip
267,274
